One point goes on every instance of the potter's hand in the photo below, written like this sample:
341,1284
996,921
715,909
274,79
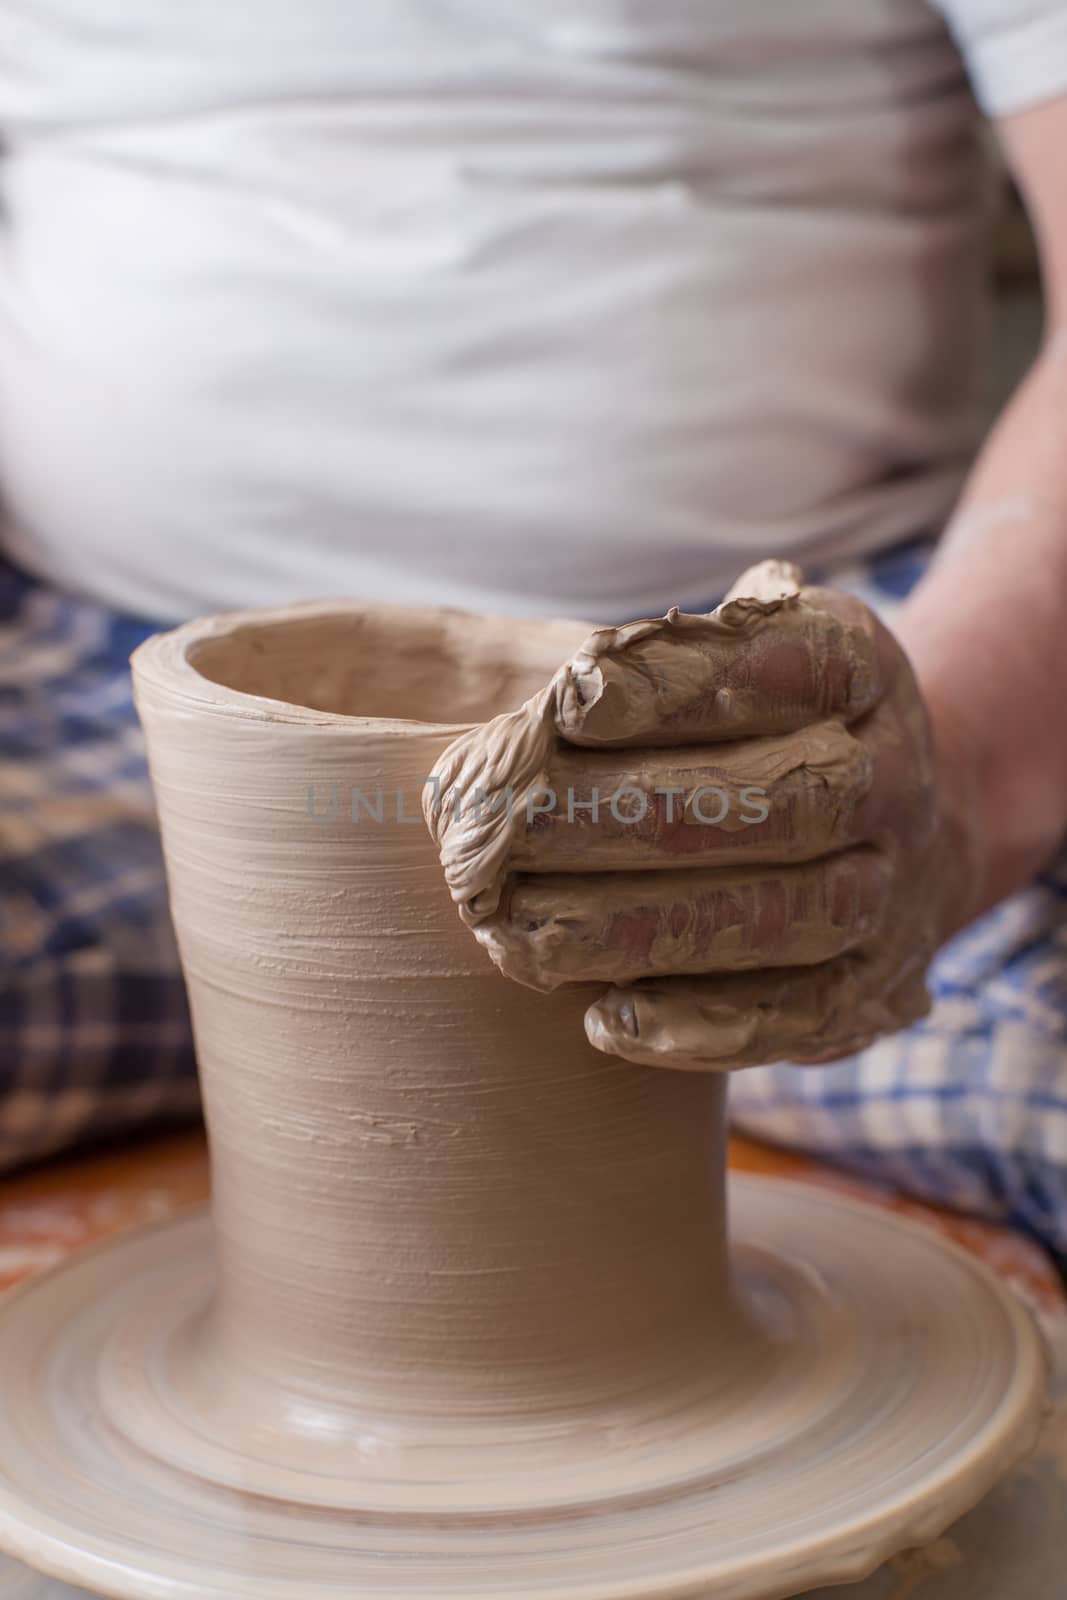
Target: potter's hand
731,819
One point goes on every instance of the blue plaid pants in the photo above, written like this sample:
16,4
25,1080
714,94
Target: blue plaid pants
968,1107
95,1038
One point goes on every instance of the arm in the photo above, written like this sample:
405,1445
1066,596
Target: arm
987,629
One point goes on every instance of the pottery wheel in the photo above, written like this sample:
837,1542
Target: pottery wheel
879,1385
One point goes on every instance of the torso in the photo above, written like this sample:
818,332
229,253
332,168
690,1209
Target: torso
568,307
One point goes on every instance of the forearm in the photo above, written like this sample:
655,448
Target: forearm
987,634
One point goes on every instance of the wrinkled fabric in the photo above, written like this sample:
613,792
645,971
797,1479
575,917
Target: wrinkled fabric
556,308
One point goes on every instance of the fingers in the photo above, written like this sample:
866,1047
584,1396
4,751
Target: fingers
898,801
719,1024
752,667
784,799
779,800
749,710
618,927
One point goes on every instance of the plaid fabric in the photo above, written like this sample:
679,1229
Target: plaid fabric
969,1107
94,1029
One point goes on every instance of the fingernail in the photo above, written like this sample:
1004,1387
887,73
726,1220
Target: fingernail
613,1016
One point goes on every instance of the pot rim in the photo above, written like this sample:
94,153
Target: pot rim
168,660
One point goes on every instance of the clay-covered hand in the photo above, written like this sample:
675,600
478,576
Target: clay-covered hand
730,819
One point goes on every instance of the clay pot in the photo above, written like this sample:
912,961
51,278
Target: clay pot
432,1197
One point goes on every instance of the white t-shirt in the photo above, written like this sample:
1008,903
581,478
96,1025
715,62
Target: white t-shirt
546,306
